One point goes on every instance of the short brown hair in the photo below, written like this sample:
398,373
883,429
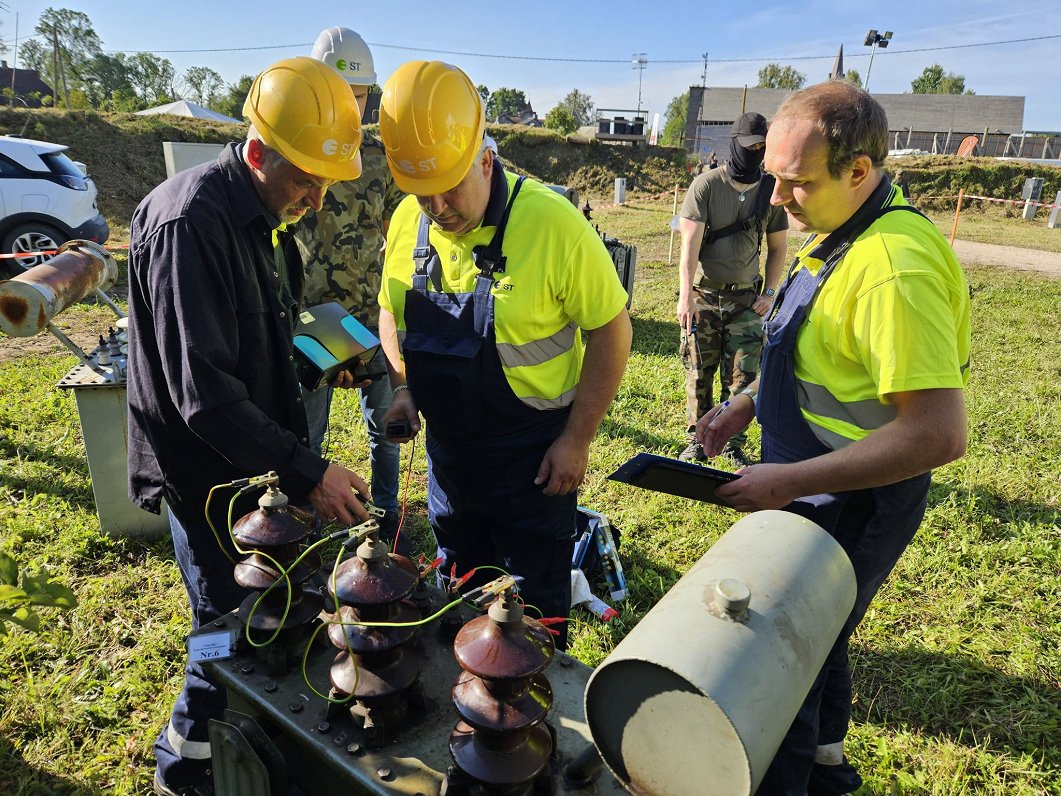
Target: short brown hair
850,120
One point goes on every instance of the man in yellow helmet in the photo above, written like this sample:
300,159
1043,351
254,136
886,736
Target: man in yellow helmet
214,289
487,284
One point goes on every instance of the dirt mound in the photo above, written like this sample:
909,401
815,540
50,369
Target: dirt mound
123,153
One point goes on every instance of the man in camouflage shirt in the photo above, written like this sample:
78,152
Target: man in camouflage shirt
720,307
344,263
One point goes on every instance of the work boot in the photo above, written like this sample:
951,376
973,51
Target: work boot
833,780
204,788
735,453
694,451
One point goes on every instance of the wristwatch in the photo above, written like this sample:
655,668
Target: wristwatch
769,292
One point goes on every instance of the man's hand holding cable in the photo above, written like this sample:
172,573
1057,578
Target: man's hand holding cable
335,497
403,407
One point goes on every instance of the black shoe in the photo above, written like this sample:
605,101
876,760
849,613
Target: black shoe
205,788
694,451
736,454
833,780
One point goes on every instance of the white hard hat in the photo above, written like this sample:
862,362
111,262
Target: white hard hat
347,52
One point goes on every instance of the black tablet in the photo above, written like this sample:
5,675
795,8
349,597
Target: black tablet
660,474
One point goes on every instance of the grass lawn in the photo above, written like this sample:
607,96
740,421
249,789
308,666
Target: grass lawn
957,664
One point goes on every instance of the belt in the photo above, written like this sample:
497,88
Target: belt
711,284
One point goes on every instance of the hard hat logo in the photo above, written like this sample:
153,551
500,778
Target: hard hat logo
432,124
307,112
345,50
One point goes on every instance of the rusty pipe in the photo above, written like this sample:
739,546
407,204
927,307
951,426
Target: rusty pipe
30,300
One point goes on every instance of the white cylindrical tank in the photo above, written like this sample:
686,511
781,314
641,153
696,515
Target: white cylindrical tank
697,698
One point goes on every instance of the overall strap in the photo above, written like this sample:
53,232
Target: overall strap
489,258
423,256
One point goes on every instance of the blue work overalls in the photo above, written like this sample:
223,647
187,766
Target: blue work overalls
873,526
484,445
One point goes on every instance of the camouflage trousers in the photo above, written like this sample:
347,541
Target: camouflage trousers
728,338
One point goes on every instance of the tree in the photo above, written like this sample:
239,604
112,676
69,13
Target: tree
777,76
934,81
231,104
103,76
152,77
580,105
674,121
484,92
853,77
78,43
560,118
505,101
203,84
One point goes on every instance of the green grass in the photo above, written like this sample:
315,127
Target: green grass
957,665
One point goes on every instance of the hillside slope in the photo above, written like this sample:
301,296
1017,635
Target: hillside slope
123,153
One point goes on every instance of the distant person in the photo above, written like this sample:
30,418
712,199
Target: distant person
712,162
489,282
345,265
722,296
215,283
866,357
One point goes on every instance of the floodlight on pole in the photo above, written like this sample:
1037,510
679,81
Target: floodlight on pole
638,62
873,41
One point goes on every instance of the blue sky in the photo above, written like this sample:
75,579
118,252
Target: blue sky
739,38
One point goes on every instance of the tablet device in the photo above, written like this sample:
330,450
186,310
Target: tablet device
327,340
674,477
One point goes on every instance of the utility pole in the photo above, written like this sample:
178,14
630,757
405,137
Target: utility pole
639,61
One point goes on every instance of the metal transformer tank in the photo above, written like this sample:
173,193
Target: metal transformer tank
697,698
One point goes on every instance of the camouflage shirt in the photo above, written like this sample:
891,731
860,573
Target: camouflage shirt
342,242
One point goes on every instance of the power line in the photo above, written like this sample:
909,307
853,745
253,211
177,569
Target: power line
504,56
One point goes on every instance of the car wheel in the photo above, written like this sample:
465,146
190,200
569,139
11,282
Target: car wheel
25,239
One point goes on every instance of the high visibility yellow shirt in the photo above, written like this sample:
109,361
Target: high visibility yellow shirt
558,279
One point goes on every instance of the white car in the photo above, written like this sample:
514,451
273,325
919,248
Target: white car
46,199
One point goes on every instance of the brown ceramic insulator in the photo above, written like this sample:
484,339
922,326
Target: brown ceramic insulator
370,677
502,705
374,579
273,526
503,650
500,760
361,639
306,604
257,572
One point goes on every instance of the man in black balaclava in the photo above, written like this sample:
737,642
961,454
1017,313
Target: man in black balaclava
722,298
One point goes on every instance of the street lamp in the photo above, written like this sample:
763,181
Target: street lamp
873,41
638,62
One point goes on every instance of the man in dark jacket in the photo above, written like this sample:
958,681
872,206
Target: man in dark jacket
214,288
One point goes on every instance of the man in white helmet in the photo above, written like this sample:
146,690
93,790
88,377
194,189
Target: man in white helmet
345,264
214,288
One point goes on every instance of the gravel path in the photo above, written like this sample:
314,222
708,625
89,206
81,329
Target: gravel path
1048,263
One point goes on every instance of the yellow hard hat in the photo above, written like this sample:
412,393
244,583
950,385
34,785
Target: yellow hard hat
306,111
432,123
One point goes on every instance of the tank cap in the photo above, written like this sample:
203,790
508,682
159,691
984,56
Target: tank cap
733,596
